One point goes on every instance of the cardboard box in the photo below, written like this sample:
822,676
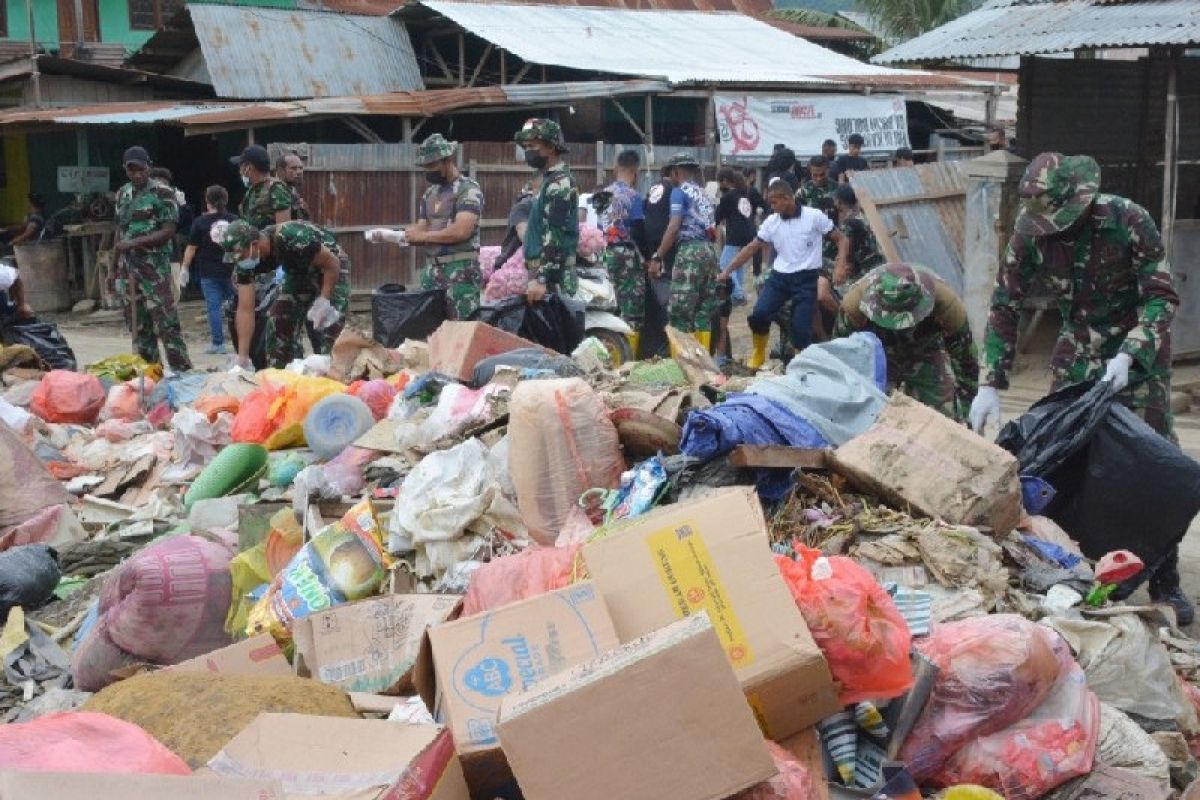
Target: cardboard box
662,717
914,456
347,757
258,655
112,786
372,645
712,554
456,347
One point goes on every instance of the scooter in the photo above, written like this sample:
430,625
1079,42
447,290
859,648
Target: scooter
600,319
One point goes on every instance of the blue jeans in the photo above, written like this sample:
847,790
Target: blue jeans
798,287
216,292
727,254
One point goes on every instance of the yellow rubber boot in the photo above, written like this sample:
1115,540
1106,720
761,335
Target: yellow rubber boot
634,338
705,339
759,356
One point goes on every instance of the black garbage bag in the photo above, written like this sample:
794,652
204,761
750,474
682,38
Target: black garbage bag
265,294
28,576
526,358
1120,485
551,322
397,315
46,340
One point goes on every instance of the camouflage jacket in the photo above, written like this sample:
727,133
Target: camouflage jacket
143,212
294,245
819,197
1111,281
864,249
553,233
263,201
299,207
441,204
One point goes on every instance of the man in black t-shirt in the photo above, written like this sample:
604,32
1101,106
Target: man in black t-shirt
851,161
657,207
209,261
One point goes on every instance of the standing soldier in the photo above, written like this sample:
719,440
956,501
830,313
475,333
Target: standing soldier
1103,257
552,237
268,201
693,227
623,220
146,219
290,170
817,191
316,285
925,334
864,248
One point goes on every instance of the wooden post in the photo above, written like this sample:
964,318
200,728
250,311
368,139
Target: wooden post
600,166
35,76
710,131
649,130
1170,151
406,129
462,59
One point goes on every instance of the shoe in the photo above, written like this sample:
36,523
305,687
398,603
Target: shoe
634,339
761,340
216,350
739,301
1185,612
705,339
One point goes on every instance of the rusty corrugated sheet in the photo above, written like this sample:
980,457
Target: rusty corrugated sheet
752,7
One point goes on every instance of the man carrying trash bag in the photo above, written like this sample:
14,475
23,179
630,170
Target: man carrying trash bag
1103,257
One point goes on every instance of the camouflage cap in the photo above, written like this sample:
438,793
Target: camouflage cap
435,148
1055,191
546,130
898,296
682,160
235,237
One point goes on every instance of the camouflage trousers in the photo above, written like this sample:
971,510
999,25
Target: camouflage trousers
694,287
287,321
154,316
1148,393
930,379
625,268
461,278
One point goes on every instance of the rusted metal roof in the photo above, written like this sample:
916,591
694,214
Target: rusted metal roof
817,33
1026,27
751,7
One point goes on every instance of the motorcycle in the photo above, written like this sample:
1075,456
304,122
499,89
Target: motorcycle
600,319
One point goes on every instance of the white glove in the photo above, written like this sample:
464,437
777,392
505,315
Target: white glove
378,235
1118,371
322,314
184,278
985,406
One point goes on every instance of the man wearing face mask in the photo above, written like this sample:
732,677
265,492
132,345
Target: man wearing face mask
147,215
316,285
552,236
267,201
290,170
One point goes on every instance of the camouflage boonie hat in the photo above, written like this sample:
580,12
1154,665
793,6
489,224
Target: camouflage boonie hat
682,160
237,236
546,130
435,148
1055,191
898,296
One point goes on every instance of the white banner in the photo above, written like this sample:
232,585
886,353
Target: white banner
751,125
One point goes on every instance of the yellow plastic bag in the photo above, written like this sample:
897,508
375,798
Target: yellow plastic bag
273,415
125,367
260,564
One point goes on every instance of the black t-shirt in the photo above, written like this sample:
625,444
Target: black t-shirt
844,163
512,242
208,261
736,210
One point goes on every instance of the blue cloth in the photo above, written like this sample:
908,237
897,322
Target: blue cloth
798,287
216,292
1053,552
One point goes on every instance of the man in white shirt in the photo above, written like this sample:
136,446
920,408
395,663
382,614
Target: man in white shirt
795,233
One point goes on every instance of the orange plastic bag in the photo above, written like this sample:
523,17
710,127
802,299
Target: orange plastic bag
273,415
854,622
82,741
522,575
253,423
212,405
65,396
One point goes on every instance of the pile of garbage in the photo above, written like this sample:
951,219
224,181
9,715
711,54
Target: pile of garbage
476,567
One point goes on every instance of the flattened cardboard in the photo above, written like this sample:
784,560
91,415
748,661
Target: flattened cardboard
112,786
712,553
258,655
662,717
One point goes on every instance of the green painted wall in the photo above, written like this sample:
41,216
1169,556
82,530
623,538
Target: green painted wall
45,20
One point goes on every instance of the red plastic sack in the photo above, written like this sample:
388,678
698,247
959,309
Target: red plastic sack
254,422
792,783
377,394
124,402
526,574
854,622
995,671
64,396
1054,744
80,741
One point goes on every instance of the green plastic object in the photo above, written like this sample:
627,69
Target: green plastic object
236,468
658,372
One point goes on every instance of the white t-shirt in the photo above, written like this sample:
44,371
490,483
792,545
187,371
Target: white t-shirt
8,276
796,240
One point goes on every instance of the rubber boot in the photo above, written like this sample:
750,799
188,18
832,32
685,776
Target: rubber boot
1164,588
634,338
759,356
705,339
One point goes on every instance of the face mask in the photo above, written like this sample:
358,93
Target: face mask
247,264
435,177
246,181
536,160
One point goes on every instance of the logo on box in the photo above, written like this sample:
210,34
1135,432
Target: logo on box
490,677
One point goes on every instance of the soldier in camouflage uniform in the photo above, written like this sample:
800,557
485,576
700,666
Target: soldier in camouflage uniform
925,334
268,200
864,248
316,285
290,170
552,237
1102,255
623,220
817,191
146,218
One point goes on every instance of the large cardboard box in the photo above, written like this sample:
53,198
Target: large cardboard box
111,786
662,717
370,646
258,655
913,456
456,347
713,554
469,665
348,758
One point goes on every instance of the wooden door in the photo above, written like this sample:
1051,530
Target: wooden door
66,23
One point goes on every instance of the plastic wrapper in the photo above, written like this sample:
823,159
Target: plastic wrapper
260,564
274,414
855,623
994,671
124,367
68,397
377,394
45,339
213,405
80,741
562,443
640,489
529,573
792,783
198,438
116,430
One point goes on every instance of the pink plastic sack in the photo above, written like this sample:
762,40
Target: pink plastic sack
995,671
377,394
64,396
80,741
124,401
1028,759
854,622
792,783
522,575
164,605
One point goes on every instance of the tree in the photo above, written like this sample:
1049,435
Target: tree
904,19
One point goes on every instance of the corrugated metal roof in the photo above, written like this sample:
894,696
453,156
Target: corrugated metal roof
272,53
678,46
752,7
1021,27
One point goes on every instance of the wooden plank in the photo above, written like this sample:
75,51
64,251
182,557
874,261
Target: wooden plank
777,456
694,359
867,203
933,194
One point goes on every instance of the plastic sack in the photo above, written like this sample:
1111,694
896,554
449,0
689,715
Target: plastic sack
274,414
1026,760
28,575
377,394
68,397
510,280
855,623
82,741
561,443
124,367
260,564
529,573
792,783
525,359
164,605
397,315
213,405
994,671
124,401
551,322
45,339
1112,472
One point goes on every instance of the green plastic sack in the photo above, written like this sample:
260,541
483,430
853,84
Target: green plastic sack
236,468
